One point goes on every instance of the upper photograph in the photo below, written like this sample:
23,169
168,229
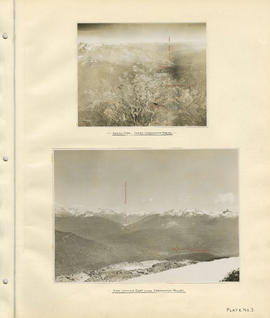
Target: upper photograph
142,74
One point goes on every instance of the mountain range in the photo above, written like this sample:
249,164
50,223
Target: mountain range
86,240
86,212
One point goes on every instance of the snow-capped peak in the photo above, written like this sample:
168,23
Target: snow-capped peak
87,212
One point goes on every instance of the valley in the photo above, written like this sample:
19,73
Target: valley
92,246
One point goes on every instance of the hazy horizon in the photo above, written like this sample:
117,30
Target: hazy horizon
141,32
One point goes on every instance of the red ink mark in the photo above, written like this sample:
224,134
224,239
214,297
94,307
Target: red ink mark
164,66
190,250
125,192
155,105
169,48
179,85
169,53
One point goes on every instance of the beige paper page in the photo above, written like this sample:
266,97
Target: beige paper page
238,47
6,161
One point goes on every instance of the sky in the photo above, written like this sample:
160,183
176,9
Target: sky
141,32
157,180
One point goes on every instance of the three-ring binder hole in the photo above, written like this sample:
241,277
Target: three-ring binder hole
5,158
5,281
4,36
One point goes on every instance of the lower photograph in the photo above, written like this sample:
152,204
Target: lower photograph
146,216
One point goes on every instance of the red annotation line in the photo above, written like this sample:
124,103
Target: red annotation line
179,85
169,48
153,105
190,250
169,53
125,192
168,66
164,66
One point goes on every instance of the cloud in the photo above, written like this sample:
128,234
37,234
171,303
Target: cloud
225,198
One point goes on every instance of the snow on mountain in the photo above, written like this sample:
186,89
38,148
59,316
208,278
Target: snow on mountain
81,211
86,212
201,272
193,212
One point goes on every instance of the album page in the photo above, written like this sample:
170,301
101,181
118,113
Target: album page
135,171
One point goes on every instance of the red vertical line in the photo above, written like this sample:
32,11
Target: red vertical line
169,48
125,192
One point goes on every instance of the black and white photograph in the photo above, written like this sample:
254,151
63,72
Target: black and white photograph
146,216
142,74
